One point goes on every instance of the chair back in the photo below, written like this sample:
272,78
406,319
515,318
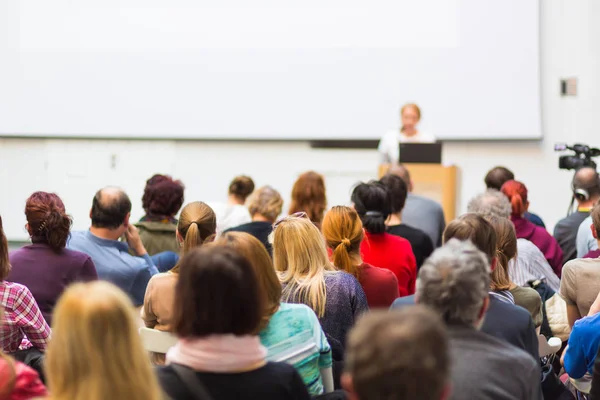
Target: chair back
157,341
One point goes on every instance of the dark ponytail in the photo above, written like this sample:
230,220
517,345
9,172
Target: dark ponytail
372,203
48,222
56,229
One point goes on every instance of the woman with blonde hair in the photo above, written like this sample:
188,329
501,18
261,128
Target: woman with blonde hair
308,195
343,231
96,352
307,276
506,250
286,329
197,225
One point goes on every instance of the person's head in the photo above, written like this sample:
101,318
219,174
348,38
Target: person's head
240,188
506,250
265,204
163,196
401,171
586,186
217,293
410,115
260,260
95,352
197,225
372,203
111,209
4,263
402,354
498,176
300,257
47,220
477,230
596,221
308,195
343,234
398,191
517,195
490,202
455,281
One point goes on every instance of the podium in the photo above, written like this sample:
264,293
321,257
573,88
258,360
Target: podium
435,181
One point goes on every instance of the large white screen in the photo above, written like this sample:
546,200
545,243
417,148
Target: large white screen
268,69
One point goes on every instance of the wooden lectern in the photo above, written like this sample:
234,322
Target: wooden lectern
435,181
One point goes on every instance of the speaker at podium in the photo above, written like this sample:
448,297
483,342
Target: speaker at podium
429,176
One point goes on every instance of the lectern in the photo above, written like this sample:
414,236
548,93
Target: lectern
430,178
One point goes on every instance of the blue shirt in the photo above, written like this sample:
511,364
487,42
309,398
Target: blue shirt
583,346
294,335
114,263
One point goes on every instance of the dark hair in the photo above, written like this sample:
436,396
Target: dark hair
475,228
217,293
4,263
372,203
48,222
241,186
163,196
397,189
110,213
497,177
309,196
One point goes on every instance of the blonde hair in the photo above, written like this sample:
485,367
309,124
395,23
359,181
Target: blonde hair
506,250
414,107
267,202
197,225
96,352
343,233
300,257
254,251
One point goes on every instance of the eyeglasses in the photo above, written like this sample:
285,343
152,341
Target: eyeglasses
300,214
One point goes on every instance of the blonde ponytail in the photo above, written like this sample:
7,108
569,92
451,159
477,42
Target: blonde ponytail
343,232
197,225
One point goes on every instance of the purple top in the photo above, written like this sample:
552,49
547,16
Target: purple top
47,273
592,254
542,239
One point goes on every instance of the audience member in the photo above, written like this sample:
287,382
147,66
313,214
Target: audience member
218,312
264,205
420,242
586,191
498,176
584,342
308,195
344,233
287,330
517,195
399,355
24,333
530,264
380,249
580,282
96,352
234,212
587,244
307,276
162,199
197,225
454,282
421,212
45,267
594,229
111,209
17,380
506,250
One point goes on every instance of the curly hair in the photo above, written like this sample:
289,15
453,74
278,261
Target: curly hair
163,196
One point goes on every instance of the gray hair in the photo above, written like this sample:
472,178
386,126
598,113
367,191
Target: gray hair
454,281
490,203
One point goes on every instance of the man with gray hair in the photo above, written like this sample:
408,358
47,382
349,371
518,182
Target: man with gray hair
530,263
455,282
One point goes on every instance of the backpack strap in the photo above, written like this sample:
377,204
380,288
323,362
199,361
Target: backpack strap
191,382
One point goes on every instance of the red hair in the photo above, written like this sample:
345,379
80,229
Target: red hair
47,219
517,194
308,195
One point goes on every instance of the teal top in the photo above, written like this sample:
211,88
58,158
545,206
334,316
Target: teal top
294,335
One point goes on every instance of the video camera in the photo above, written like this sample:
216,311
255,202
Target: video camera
582,157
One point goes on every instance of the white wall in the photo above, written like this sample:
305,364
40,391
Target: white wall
76,168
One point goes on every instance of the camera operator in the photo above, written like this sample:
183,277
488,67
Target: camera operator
586,192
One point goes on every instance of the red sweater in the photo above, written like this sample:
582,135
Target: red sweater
393,253
380,286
